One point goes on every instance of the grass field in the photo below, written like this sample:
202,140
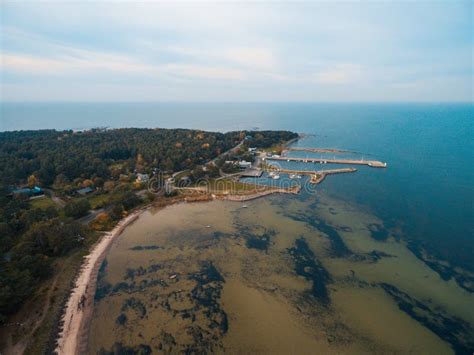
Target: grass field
221,186
43,202
100,200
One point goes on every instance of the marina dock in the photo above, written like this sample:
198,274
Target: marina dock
317,172
371,163
317,150
316,176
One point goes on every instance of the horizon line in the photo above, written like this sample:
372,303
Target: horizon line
237,102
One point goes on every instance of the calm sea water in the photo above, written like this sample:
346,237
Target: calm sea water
427,188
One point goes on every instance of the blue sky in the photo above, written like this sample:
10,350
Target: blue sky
246,51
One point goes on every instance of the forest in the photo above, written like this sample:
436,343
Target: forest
33,236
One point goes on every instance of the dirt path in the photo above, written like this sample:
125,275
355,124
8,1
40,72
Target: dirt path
20,347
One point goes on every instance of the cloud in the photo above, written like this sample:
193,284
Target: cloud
339,74
259,58
204,72
81,63
230,51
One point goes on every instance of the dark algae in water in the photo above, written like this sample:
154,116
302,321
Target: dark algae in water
103,287
338,247
207,293
446,272
307,266
255,240
134,305
146,247
453,330
378,232
120,349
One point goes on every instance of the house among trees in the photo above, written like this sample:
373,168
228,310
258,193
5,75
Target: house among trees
33,192
84,191
142,178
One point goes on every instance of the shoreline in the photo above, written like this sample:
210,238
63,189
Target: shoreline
72,337
81,298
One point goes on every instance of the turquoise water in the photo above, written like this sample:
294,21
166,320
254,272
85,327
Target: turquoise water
427,189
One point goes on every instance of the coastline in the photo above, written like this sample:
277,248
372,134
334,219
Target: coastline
72,337
80,303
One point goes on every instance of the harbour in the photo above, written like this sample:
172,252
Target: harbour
371,163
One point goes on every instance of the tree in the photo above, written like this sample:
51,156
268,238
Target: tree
99,182
60,180
117,212
87,183
32,181
198,173
130,200
102,222
109,185
77,209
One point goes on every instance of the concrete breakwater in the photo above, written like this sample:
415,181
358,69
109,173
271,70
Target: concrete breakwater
318,150
371,163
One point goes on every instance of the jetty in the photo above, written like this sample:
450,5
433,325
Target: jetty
371,163
317,150
316,176
313,172
320,175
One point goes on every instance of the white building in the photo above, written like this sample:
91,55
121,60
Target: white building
245,164
142,178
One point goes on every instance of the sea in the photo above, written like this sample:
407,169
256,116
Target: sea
427,189
378,261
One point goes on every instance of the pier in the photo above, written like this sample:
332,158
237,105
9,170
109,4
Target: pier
318,150
316,176
371,163
317,172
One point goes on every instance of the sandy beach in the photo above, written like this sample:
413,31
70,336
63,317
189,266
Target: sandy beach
80,304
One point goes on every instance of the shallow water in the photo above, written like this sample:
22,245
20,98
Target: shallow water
287,274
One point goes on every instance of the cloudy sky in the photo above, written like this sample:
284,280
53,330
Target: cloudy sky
246,51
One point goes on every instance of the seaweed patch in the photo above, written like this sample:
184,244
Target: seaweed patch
141,271
338,247
119,348
372,257
255,240
378,232
307,266
136,305
444,271
453,330
146,247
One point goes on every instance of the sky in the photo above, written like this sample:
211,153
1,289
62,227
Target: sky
236,51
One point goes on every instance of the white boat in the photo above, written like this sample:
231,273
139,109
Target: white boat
295,176
275,177
271,173
244,206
